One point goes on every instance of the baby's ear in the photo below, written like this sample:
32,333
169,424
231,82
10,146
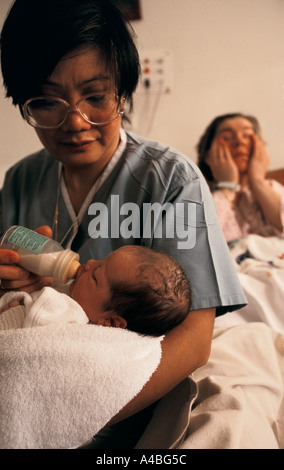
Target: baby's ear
113,320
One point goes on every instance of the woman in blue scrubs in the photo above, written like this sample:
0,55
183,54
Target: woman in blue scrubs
95,187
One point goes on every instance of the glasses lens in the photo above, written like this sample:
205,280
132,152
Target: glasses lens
46,112
99,108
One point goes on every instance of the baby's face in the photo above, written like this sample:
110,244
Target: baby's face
92,286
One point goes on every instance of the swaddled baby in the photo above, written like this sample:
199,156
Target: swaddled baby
134,287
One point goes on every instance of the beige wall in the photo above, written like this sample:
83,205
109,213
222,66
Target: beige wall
228,55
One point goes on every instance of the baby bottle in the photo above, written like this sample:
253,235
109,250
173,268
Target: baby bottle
41,255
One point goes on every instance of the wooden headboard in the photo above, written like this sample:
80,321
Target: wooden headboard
277,175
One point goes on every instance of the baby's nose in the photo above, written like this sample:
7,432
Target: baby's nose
90,264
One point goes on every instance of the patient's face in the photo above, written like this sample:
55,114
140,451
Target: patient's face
92,286
237,133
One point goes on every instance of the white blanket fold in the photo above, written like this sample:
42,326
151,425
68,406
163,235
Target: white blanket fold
240,404
60,384
235,401
260,265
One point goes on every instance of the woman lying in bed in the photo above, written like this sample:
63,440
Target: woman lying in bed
234,160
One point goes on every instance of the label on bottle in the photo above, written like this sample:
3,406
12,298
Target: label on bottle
25,238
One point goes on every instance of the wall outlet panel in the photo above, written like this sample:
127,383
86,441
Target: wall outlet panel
156,71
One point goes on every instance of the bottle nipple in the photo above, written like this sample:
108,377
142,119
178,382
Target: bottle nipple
73,268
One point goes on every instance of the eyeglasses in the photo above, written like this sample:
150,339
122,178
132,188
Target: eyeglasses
48,112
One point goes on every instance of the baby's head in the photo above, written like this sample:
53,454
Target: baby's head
134,287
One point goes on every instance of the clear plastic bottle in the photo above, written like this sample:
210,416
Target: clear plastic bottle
41,255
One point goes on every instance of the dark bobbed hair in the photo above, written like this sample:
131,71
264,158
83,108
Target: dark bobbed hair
207,138
158,299
38,33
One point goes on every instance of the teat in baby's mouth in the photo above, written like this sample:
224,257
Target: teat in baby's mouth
73,268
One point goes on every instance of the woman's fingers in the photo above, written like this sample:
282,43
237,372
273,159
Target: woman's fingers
8,257
259,161
31,284
44,230
13,272
13,277
221,162
8,266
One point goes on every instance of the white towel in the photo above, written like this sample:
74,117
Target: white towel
61,383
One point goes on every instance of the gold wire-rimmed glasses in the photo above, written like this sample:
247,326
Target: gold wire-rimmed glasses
49,112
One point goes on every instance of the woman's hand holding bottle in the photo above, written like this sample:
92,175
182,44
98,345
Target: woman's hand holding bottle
13,277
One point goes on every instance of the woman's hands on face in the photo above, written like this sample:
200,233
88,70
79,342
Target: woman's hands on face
13,277
221,163
259,161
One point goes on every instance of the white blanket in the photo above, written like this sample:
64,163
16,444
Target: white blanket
235,401
61,383
240,400
260,265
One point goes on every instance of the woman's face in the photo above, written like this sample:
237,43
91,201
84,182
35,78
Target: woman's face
77,142
237,133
